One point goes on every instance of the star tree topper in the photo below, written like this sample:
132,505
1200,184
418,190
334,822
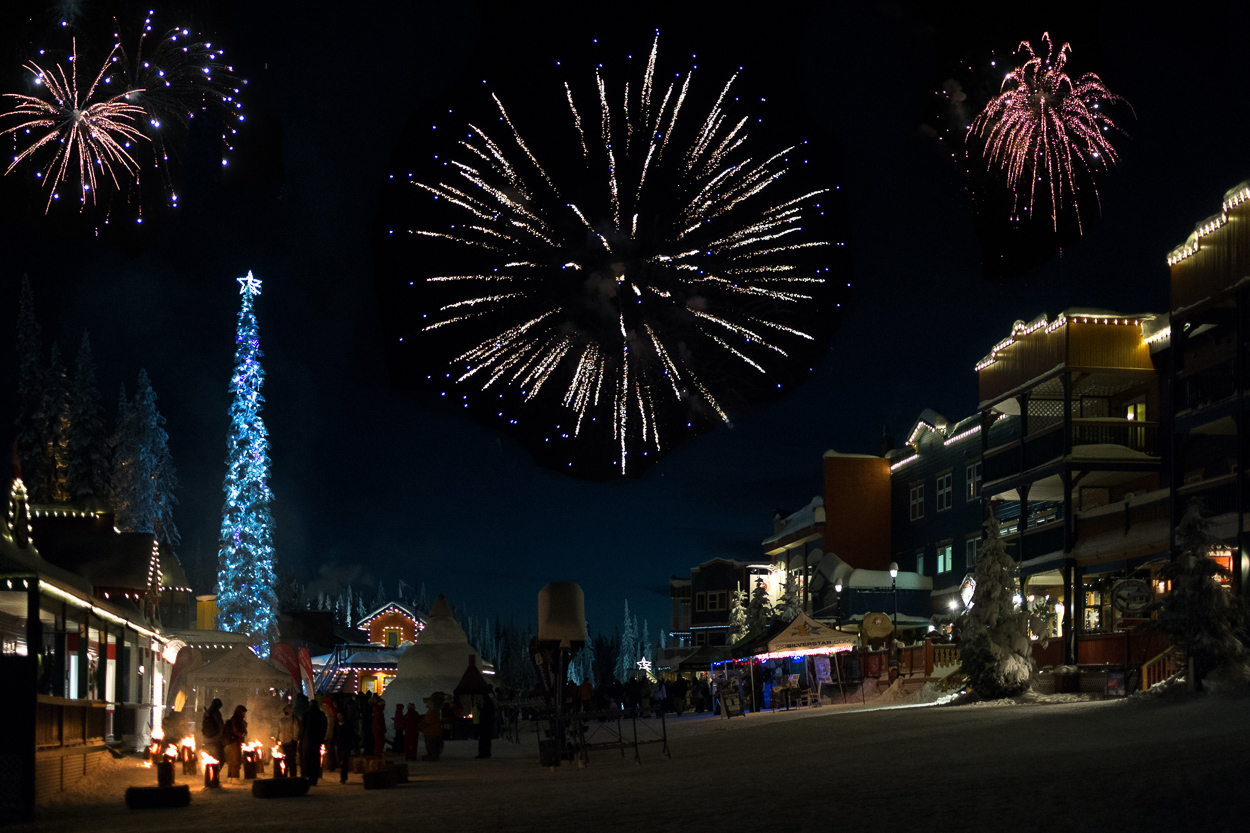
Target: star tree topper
644,664
249,284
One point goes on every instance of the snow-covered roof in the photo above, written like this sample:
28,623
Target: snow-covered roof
363,624
881,578
807,517
1090,315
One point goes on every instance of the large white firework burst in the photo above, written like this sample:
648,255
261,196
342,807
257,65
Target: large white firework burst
676,249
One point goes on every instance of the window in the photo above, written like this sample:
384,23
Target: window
700,602
972,477
917,501
971,548
392,639
945,491
700,638
944,558
716,600
920,563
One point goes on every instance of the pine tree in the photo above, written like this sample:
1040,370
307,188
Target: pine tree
791,605
1205,621
737,617
995,652
246,562
88,454
607,649
422,601
628,654
56,429
379,598
760,611
143,479
31,421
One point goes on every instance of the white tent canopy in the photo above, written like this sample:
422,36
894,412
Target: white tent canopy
806,636
240,668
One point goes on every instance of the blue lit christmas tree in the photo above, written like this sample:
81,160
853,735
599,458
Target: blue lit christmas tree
246,600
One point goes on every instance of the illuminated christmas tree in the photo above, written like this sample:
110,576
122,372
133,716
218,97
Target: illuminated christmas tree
246,600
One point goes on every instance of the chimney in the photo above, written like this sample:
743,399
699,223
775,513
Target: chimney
887,440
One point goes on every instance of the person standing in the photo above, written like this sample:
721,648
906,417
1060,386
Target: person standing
486,727
288,739
212,727
412,732
397,723
432,728
379,727
328,706
345,743
234,736
310,741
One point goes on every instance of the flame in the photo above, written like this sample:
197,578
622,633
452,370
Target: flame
188,742
158,733
147,764
171,751
208,760
276,752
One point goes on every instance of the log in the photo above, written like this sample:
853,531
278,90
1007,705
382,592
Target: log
151,798
279,787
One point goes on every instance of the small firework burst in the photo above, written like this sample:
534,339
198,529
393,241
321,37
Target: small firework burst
1047,132
173,77
673,271
83,126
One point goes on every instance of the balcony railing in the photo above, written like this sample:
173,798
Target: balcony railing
1134,437
1206,386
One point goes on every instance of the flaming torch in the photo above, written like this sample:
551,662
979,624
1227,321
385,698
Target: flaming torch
186,753
253,758
279,761
212,771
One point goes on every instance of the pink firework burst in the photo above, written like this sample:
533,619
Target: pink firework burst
1045,129
97,132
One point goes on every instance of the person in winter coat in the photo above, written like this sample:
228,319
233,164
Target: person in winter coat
432,728
397,723
288,739
331,712
213,729
234,737
345,741
311,737
486,726
412,732
379,727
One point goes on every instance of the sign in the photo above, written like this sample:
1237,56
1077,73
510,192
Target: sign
823,674
877,625
1115,684
285,655
1132,595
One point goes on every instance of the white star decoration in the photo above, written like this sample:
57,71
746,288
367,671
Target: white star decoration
249,284
644,664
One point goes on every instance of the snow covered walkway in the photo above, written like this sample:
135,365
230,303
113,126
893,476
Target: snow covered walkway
1140,764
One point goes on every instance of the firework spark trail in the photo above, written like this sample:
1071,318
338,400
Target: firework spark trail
666,281
172,79
1045,126
97,132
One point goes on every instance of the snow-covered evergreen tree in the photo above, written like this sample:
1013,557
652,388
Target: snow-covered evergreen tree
760,610
246,562
88,454
56,438
737,617
144,479
995,652
31,422
628,654
1205,621
379,598
790,602
422,601
360,611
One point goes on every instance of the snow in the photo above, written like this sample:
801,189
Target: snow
436,662
1030,763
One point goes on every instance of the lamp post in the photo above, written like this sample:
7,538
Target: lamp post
894,622
837,610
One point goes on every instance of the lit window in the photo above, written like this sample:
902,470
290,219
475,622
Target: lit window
972,477
945,491
944,558
920,563
917,501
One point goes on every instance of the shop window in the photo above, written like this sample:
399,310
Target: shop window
972,479
945,491
944,558
700,638
917,500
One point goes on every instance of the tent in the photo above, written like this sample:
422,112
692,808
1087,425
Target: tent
240,668
805,636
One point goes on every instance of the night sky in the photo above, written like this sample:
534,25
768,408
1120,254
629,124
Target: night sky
377,481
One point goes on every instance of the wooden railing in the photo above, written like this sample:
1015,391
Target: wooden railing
1158,669
945,656
61,723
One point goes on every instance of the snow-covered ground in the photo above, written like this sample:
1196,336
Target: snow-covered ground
1059,762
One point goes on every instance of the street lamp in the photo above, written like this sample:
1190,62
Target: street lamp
894,621
837,610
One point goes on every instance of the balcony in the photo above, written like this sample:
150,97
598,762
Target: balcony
1108,439
1204,387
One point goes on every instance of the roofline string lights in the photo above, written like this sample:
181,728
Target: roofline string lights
1019,330
1212,224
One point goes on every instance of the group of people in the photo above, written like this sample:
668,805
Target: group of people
649,697
327,732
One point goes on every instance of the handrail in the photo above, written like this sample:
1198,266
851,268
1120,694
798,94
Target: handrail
1158,668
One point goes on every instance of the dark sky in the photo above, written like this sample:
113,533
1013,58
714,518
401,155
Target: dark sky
373,482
